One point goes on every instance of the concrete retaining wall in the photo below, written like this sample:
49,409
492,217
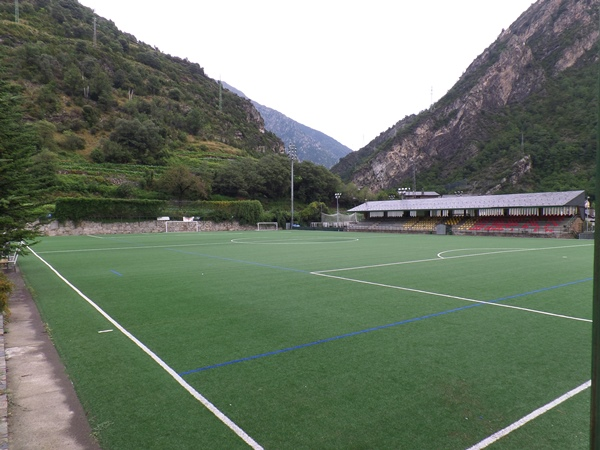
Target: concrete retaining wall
69,228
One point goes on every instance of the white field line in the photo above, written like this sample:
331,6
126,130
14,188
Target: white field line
292,241
207,404
529,417
442,258
140,247
454,297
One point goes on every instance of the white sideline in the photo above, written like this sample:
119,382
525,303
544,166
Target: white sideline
529,417
212,408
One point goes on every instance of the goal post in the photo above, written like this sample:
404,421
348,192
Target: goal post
177,226
267,226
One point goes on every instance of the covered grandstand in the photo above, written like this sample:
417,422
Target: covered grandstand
548,214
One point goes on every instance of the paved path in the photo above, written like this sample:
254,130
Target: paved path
43,410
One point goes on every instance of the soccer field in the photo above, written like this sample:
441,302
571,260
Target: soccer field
322,340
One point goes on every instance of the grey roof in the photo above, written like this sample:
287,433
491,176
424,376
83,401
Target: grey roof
542,199
421,193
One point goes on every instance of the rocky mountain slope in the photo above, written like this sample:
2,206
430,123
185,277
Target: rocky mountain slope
311,145
522,116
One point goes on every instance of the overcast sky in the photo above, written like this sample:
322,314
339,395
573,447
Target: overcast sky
348,68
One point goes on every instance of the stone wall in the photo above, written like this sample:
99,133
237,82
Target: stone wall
70,228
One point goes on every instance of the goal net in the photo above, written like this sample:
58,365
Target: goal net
338,220
267,226
175,226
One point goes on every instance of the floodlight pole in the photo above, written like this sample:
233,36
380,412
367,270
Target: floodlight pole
337,207
292,156
595,394
402,192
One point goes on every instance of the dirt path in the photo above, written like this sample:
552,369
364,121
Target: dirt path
43,410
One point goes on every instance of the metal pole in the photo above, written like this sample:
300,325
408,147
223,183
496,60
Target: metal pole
595,400
337,208
292,155
17,11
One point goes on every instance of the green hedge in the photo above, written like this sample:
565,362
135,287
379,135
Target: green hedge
244,211
78,209
104,209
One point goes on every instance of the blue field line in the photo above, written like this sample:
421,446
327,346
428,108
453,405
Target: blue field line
380,327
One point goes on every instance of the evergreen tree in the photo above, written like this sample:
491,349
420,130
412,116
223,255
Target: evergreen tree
18,196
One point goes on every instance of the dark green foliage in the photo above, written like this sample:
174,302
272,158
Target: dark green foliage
110,81
125,190
78,209
72,142
312,213
244,211
270,177
44,169
142,142
20,191
180,183
314,182
247,212
239,178
123,102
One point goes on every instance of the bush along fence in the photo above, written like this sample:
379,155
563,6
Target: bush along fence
245,212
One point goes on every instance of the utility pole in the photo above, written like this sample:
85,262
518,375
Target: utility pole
16,11
220,96
292,156
414,170
431,101
337,208
95,32
595,392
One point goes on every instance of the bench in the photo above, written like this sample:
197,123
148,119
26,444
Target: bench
10,262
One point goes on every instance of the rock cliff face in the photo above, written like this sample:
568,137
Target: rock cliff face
549,38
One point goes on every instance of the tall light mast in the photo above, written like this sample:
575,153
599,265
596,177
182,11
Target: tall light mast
292,155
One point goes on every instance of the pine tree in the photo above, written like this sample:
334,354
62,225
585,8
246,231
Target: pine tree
18,188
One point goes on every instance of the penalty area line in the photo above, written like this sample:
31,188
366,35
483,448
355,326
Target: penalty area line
203,400
455,297
529,417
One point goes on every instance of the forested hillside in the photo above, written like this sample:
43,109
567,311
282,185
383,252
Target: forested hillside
115,117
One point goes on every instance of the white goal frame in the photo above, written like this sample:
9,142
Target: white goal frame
263,226
188,227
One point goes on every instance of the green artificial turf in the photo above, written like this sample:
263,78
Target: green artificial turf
327,340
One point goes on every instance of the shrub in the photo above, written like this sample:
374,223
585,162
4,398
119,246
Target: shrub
6,288
72,142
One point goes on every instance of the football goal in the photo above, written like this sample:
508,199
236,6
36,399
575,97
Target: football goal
173,226
267,226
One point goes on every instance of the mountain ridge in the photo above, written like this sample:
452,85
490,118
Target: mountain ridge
311,144
551,42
